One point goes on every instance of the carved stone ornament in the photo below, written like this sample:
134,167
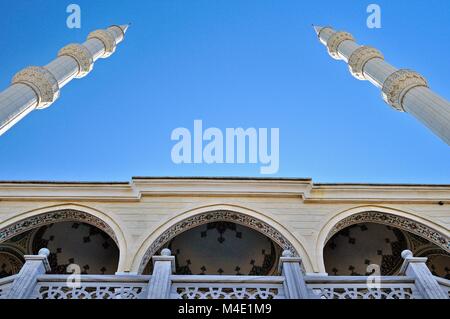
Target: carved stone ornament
221,215
91,290
43,83
108,40
334,41
82,55
396,221
398,84
359,58
58,216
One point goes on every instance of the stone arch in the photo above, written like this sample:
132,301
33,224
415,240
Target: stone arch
11,261
382,215
64,213
204,215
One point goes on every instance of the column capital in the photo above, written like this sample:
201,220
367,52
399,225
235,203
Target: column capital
108,40
41,256
398,84
359,58
80,54
335,40
43,83
288,257
408,259
166,255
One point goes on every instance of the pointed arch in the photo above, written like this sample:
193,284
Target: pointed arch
403,220
23,222
203,215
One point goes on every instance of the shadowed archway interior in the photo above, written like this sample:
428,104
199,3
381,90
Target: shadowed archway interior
85,245
223,248
238,218
353,249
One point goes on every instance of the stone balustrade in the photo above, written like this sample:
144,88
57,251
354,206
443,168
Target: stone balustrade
414,282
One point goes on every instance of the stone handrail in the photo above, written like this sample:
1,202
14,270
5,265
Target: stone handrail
225,278
444,284
5,284
414,282
227,287
95,278
357,279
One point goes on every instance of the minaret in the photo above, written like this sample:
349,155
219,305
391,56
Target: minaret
38,87
403,89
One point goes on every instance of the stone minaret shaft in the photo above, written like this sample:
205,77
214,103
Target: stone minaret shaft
38,87
404,90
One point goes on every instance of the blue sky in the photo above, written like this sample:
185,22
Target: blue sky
231,64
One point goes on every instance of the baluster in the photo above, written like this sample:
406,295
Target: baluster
294,281
160,283
26,280
425,282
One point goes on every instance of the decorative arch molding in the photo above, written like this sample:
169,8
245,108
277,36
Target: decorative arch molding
400,222
57,216
220,214
382,215
431,251
65,213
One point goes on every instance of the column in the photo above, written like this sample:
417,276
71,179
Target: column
160,283
403,89
37,87
26,280
426,284
294,281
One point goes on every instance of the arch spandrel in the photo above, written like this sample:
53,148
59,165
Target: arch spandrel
202,216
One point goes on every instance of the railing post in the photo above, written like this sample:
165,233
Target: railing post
426,284
35,265
163,267
294,281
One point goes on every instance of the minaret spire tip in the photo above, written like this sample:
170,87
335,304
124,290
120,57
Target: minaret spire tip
317,28
125,27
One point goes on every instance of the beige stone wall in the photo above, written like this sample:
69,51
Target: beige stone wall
304,213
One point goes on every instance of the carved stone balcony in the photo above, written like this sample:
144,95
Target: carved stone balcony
414,282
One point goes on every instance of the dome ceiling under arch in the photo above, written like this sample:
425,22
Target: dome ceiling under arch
224,248
81,244
351,250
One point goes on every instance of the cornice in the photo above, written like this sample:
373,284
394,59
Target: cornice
67,191
225,187
380,193
303,189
